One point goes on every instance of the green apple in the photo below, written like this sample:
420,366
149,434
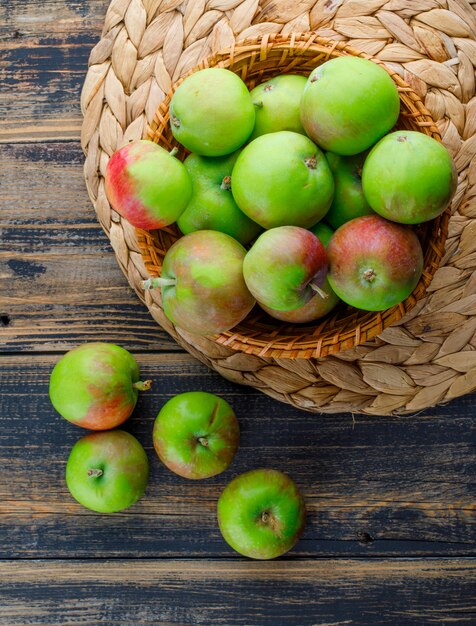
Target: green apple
349,200
107,471
261,514
409,177
348,104
147,185
277,103
283,179
323,232
96,385
212,206
211,112
196,434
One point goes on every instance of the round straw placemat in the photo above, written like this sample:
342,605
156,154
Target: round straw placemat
429,356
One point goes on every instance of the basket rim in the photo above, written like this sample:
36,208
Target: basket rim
309,343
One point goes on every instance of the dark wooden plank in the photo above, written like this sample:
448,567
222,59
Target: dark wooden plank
49,19
66,303
44,50
60,280
309,593
376,486
40,87
55,197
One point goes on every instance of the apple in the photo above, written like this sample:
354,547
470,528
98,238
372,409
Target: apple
277,103
107,471
318,305
96,385
196,434
147,185
348,104
285,267
323,232
409,177
261,514
211,112
212,206
349,200
203,290
373,263
282,179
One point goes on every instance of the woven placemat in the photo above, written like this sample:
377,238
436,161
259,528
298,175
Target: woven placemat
430,355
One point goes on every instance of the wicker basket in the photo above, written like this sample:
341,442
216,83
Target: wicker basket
256,61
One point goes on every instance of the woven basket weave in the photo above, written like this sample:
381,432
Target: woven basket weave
255,61
429,356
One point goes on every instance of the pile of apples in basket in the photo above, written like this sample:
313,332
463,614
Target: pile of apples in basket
295,195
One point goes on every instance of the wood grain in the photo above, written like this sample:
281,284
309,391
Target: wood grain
375,487
44,50
309,593
379,486
59,280
50,19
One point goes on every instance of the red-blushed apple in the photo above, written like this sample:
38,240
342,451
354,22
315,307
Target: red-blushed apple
318,306
96,385
108,471
196,434
211,112
349,201
348,104
261,514
285,267
373,263
212,206
203,290
277,103
409,177
282,179
147,185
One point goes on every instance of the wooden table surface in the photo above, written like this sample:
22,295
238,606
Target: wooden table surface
390,535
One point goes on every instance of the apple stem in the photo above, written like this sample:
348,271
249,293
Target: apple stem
203,441
311,162
158,281
95,473
319,291
259,104
174,151
369,275
226,183
142,385
268,519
